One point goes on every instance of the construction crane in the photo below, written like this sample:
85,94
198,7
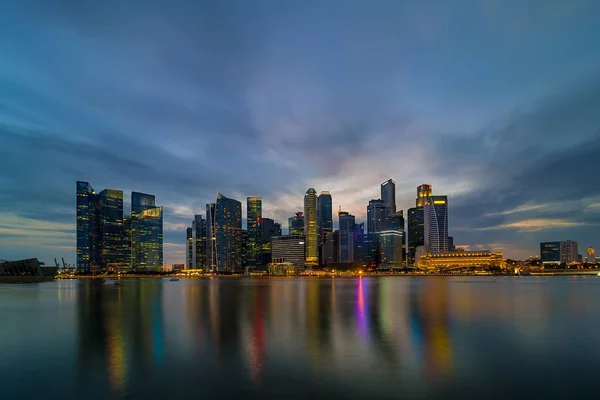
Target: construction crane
56,263
64,265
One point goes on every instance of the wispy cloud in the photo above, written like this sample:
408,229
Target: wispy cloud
534,225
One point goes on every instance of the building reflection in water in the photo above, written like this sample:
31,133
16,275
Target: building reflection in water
347,331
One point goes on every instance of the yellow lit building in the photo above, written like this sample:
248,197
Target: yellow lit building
463,259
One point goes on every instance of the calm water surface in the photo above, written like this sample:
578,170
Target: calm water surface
387,337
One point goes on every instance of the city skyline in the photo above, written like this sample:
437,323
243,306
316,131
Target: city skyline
509,134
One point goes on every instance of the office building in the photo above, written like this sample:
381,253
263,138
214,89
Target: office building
289,248
390,249
395,222
228,234
128,241
569,252
310,228
591,255
376,216
296,224
245,249
211,240
346,237
88,241
550,252
270,229
254,224
416,232
451,246
199,237
367,249
436,224
189,247
324,216
330,248
423,193
146,232
388,196
111,228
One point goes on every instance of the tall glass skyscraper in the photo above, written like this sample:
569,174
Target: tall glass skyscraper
146,232
270,229
111,227
436,224
324,216
296,224
376,216
228,234
388,196
310,228
254,223
211,240
198,242
88,239
346,237
416,232
390,249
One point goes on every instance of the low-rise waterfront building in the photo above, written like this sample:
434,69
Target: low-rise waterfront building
463,259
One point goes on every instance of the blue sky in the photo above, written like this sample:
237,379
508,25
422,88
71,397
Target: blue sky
494,103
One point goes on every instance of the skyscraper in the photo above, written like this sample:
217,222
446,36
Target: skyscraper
228,234
270,229
310,228
436,224
324,216
423,192
367,249
390,249
550,252
289,248
254,221
88,241
189,247
111,227
376,215
416,232
569,252
199,235
346,237
388,196
146,232
296,224
211,240
330,248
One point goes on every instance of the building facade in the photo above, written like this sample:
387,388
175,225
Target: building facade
376,216
423,193
296,224
388,196
367,249
88,241
228,234
199,237
270,229
211,239
550,252
254,224
330,248
190,247
289,248
324,216
390,249
347,231
146,232
436,224
569,252
416,232
462,259
111,228
310,228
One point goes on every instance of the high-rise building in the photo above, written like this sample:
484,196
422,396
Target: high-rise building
388,196
330,248
569,252
128,240
254,221
395,222
189,247
367,249
111,228
591,255
146,232
296,224
310,228
228,234
324,216
244,248
270,229
346,237
390,249
550,252
148,239
451,246
376,215
88,240
211,239
289,248
436,224
416,232
199,237
423,193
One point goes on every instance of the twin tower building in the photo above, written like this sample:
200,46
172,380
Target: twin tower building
218,243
